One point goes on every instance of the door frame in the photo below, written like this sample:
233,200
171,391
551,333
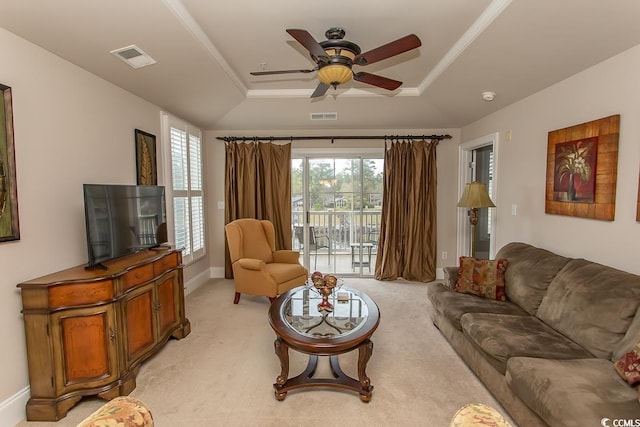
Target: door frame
465,175
308,154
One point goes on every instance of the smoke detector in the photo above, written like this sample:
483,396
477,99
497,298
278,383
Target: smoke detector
134,56
488,96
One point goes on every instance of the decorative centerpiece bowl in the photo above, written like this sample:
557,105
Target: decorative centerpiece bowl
325,285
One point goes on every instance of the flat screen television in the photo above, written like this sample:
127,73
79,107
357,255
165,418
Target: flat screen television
123,219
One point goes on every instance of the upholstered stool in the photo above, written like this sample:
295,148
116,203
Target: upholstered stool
478,414
123,411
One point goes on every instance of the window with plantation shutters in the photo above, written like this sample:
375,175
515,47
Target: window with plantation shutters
186,190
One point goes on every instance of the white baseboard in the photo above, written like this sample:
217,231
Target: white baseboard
195,282
12,410
217,272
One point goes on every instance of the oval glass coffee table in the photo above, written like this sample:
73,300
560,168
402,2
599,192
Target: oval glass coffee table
299,325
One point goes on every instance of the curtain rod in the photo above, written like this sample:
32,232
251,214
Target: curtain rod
332,138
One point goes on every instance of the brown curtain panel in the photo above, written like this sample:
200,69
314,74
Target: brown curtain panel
407,245
258,185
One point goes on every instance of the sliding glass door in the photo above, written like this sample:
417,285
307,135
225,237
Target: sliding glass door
336,205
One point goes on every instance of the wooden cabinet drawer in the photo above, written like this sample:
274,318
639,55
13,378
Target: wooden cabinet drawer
165,263
74,294
137,276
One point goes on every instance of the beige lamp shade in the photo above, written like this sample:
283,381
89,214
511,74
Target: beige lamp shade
334,74
475,195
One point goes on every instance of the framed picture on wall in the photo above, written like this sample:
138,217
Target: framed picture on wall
9,224
146,165
582,165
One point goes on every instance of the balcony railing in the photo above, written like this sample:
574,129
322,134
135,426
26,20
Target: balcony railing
344,228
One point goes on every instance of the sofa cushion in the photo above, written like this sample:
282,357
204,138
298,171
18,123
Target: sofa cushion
628,366
592,304
529,274
482,277
502,336
572,392
452,305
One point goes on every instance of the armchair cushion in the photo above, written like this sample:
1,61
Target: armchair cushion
285,272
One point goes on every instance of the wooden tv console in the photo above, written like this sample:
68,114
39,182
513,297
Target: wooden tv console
88,331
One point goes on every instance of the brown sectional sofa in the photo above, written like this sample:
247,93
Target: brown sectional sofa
547,352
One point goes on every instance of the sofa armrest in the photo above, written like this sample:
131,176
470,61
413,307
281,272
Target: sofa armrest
123,411
251,264
286,256
450,277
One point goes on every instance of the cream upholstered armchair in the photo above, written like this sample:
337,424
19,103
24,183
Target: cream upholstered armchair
258,268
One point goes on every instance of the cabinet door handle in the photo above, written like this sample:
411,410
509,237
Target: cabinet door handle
138,275
112,335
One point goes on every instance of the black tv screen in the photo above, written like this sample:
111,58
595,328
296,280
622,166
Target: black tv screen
123,219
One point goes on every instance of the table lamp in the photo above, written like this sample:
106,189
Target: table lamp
474,196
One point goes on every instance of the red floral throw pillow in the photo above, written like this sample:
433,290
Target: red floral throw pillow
482,277
628,366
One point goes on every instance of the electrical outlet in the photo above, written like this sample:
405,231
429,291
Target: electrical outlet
444,255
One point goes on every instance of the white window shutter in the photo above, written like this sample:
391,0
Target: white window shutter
187,190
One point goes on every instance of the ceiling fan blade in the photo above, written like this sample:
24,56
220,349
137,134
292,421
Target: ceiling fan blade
320,90
375,80
266,73
388,50
305,39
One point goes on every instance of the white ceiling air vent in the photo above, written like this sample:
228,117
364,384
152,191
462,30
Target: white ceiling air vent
134,56
324,116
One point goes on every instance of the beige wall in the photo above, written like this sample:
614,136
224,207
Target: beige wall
447,182
70,128
611,87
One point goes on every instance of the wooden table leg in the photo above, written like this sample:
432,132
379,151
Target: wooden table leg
282,351
364,354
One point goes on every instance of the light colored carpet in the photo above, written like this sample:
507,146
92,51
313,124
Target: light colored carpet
222,374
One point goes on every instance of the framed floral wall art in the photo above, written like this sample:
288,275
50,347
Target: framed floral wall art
9,225
582,163
574,173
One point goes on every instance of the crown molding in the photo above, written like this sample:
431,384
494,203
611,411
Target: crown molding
473,32
183,15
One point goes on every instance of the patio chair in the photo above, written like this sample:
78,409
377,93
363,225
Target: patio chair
316,241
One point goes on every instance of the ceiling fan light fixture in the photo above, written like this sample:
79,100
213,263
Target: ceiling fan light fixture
335,74
331,53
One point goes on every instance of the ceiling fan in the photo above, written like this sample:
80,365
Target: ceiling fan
335,56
